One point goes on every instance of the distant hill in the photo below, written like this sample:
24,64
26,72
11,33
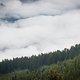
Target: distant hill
35,62
66,70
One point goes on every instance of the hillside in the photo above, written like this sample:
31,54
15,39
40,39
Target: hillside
66,70
35,62
58,65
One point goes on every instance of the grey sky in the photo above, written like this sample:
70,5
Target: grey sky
38,26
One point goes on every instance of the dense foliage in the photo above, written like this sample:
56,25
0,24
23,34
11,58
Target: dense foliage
66,70
35,62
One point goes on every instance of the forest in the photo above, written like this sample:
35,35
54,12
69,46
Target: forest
57,65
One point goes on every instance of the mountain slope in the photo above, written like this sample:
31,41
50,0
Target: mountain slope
66,70
35,62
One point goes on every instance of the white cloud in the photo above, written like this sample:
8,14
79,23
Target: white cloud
39,34
34,33
50,7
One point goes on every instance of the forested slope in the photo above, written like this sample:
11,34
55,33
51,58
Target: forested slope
35,62
66,70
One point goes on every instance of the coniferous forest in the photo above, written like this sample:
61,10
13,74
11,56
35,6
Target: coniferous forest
39,39
57,65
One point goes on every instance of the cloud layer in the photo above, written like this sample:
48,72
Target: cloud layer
17,9
37,26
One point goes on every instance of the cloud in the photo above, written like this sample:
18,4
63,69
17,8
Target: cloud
28,1
39,34
37,27
15,8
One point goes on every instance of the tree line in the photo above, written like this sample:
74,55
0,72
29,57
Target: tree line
66,70
35,62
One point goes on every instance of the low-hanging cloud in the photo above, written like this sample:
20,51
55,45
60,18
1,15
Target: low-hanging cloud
17,8
37,26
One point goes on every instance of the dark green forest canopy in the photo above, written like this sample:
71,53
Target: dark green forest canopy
66,70
35,62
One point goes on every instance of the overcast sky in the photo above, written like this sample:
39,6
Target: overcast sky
29,27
